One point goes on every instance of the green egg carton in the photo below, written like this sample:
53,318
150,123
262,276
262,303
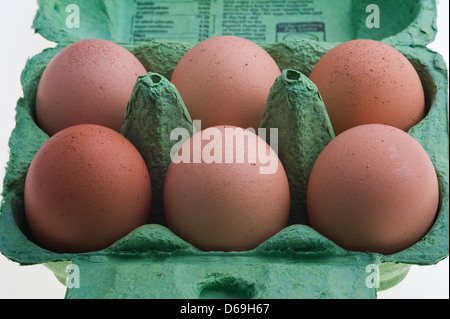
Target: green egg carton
297,262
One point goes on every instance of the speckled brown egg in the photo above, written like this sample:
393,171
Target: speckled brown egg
222,195
86,187
226,80
367,81
87,82
373,188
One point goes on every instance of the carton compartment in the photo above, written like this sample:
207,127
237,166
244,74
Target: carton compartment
301,56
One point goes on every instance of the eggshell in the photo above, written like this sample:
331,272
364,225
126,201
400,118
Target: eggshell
226,205
225,80
86,187
373,188
87,82
367,81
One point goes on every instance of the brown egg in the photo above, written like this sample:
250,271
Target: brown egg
226,80
86,187
87,82
367,81
225,195
373,188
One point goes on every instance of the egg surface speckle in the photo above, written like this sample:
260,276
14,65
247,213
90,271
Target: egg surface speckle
86,187
228,204
226,80
87,82
367,81
373,188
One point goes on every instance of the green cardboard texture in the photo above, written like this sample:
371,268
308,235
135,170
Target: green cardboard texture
155,110
152,262
130,21
304,129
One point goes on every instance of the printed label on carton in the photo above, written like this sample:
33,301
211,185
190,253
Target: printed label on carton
257,20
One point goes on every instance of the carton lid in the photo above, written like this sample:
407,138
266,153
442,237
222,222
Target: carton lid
408,22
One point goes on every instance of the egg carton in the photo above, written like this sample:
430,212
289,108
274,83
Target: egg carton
297,262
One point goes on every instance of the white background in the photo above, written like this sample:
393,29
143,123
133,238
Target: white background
19,42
